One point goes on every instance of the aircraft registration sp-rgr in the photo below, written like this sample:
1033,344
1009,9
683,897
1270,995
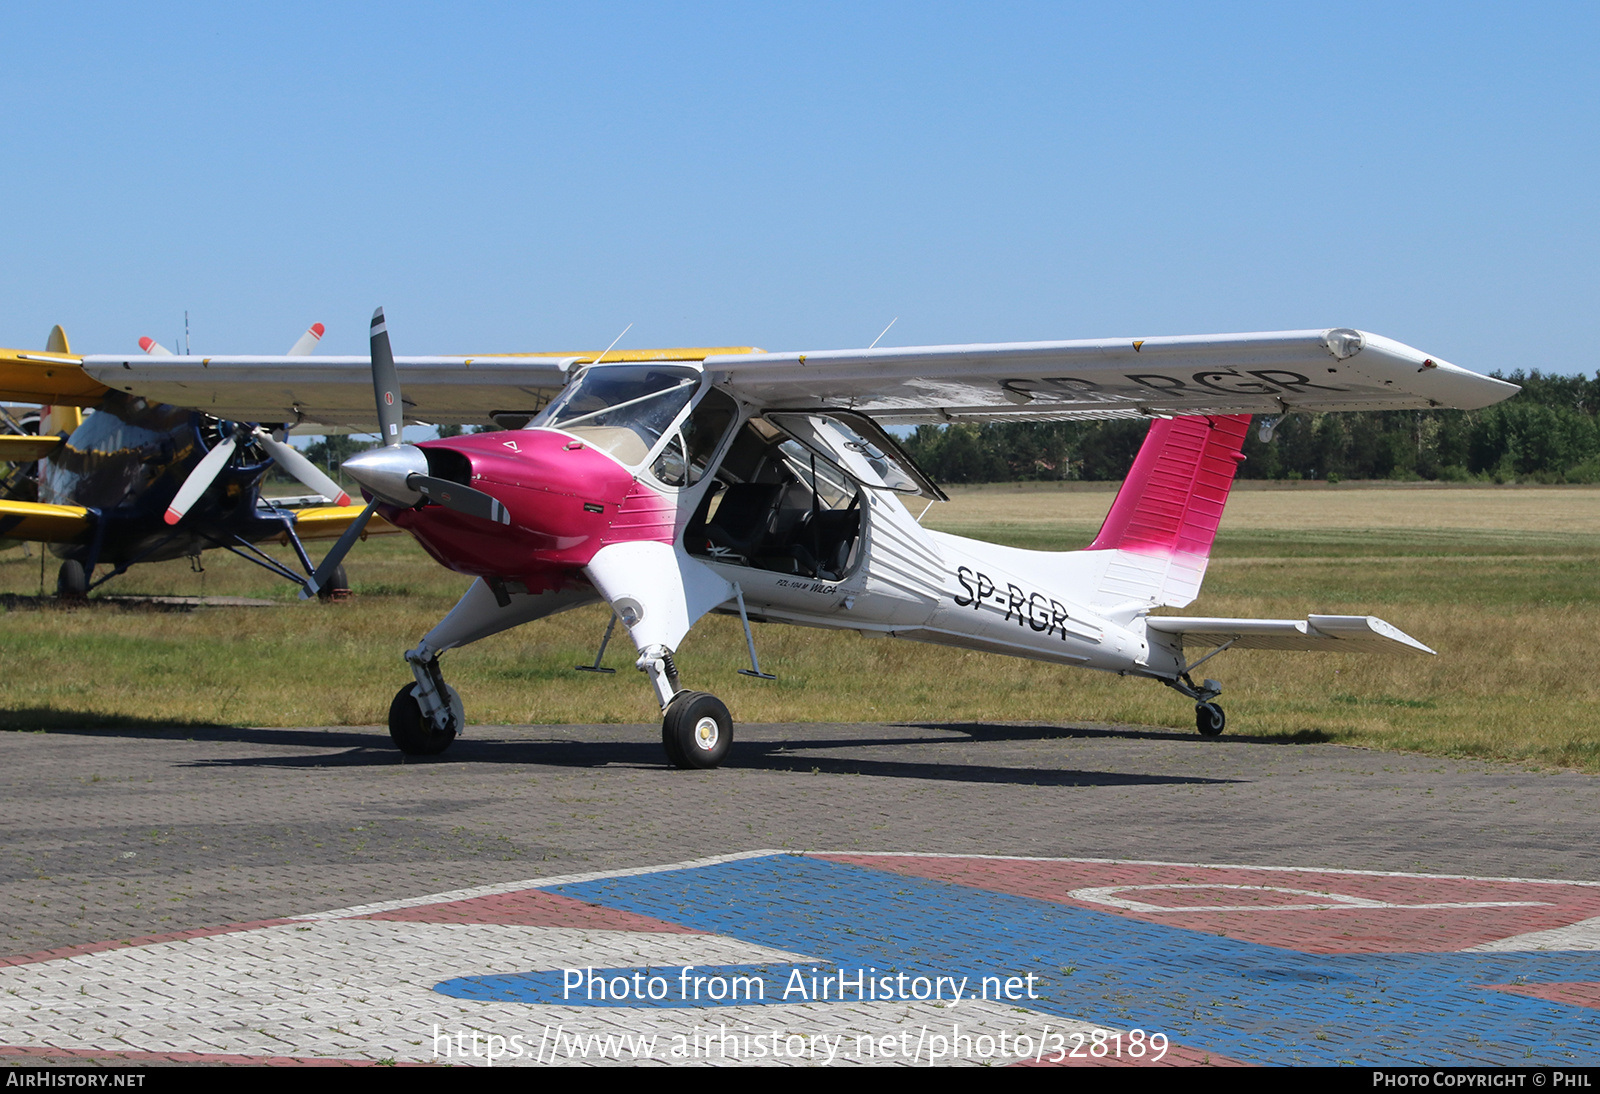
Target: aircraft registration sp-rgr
670,484
140,481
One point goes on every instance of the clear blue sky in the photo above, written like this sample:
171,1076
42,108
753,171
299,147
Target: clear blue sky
525,177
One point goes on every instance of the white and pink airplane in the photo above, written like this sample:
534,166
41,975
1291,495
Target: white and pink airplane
670,484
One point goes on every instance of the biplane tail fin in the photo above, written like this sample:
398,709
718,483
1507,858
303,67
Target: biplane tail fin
58,420
1165,517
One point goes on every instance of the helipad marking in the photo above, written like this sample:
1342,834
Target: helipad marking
1245,1000
1338,981
1330,902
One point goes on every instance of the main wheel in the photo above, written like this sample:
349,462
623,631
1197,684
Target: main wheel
411,732
337,588
1209,719
72,583
697,730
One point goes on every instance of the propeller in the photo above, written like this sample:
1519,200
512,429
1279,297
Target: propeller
293,463
397,472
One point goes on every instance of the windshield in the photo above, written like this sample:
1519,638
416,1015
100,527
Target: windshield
623,409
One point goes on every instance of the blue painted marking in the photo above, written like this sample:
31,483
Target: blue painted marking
1239,999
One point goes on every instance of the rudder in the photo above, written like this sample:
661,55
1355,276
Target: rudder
1164,519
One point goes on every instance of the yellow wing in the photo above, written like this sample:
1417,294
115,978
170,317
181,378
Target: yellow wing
41,523
54,376
330,522
20,448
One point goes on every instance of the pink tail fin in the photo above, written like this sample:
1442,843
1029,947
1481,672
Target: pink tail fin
1171,503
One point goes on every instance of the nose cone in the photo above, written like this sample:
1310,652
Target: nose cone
385,471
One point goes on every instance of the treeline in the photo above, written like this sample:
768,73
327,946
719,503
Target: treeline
1550,433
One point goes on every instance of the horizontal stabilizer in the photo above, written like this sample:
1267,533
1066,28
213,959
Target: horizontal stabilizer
1327,633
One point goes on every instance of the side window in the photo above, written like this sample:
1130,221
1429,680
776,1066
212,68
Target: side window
683,462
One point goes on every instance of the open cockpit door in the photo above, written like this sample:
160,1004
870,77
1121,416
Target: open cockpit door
861,447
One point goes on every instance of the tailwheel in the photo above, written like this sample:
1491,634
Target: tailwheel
1209,719
412,733
697,730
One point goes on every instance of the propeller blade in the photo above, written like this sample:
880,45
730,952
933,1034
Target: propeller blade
302,469
202,476
154,348
324,574
386,382
308,341
463,499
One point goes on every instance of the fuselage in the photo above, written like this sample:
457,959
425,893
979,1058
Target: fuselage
127,460
812,534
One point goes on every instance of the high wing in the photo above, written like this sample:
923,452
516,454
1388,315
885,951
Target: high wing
1269,373
58,378
338,390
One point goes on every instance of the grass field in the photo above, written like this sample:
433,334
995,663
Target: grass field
1497,579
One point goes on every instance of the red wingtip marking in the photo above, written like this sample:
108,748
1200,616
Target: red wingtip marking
317,329
173,516
146,343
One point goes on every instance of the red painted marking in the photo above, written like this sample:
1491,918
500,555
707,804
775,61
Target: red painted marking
317,329
142,940
146,342
531,908
1173,496
1353,930
1575,993
40,1052
173,516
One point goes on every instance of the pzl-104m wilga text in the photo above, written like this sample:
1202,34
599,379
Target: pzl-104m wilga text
674,483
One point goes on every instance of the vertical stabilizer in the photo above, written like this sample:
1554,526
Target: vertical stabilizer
58,421
1165,517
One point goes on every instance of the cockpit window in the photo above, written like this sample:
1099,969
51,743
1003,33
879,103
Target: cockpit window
623,409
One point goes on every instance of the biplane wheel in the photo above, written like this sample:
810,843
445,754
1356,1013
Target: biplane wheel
1209,719
71,582
337,588
411,732
697,730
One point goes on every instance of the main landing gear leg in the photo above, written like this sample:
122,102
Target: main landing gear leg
1208,716
696,729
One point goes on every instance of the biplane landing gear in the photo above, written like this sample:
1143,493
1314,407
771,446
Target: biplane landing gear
336,588
1209,719
72,582
697,730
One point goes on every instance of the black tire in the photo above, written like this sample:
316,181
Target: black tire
72,583
337,588
1209,719
408,730
697,731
